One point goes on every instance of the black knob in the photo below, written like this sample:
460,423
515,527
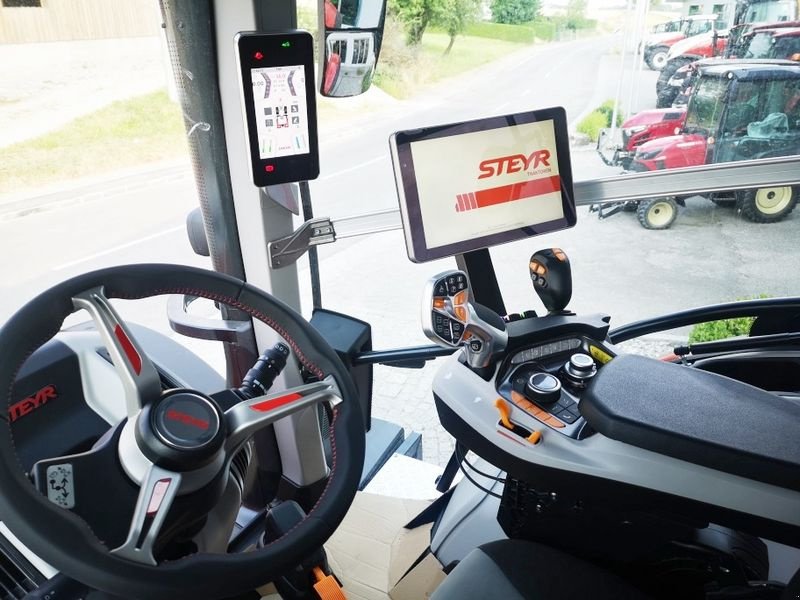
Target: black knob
543,388
580,368
551,276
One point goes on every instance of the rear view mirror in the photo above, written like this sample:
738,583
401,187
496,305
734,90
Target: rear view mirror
351,32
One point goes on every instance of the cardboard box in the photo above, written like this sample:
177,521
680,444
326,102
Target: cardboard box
371,552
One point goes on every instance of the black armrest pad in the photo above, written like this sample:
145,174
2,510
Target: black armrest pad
697,416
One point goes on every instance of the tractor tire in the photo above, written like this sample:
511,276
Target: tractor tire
666,97
656,58
657,213
670,68
768,204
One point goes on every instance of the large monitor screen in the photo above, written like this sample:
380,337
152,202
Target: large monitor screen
472,185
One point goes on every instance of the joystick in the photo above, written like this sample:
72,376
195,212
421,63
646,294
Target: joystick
552,278
450,318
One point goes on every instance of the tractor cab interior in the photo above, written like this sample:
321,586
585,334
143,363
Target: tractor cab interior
577,465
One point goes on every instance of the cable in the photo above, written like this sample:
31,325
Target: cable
463,458
471,480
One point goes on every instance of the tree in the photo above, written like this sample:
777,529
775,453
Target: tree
514,11
451,15
456,16
576,14
416,15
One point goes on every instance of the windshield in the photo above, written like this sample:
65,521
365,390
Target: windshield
786,46
96,170
697,27
707,105
759,45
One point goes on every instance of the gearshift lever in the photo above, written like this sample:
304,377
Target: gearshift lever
552,278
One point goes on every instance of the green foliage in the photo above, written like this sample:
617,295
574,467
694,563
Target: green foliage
719,330
592,123
598,119
514,11
415,15
543,29
456,16
127,132
519,34
607,108
452,16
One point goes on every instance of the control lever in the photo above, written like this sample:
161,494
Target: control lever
451,319
551,275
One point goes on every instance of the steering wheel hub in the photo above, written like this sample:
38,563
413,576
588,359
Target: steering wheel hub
182,430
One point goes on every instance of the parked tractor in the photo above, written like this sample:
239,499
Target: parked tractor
657,45
738,111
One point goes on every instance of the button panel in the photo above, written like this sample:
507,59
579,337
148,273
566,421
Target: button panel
448,308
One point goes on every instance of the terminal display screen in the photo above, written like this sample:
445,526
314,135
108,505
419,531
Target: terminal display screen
472,185
279,104
279,98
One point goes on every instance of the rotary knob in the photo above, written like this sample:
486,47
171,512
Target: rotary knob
580,368
544,388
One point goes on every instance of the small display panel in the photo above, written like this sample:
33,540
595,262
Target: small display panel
477,184
278,98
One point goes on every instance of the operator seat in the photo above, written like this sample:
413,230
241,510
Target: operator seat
521,570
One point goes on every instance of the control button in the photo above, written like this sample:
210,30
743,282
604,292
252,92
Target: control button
476,345
461,313
440,289
543,388
458,329
438,303
564,403
553,422
461,298
566,416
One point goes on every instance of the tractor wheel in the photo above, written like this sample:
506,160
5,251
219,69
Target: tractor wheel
657,213
657,58
666,97
767,205
670,68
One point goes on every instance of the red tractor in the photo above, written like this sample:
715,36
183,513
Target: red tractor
737,111
773,40
635,131
657,45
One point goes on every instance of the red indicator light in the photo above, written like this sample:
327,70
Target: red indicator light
258,55
269,168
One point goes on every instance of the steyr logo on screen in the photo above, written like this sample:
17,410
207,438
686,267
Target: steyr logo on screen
513,163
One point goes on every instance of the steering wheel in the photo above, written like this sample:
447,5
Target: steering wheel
175,447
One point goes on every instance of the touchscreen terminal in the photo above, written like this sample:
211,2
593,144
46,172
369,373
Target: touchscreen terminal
476,184
277,85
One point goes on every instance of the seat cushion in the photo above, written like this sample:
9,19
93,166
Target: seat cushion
520,570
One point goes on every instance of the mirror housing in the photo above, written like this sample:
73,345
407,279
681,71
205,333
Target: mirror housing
350,36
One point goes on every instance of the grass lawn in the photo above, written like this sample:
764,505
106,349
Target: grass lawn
126,133
403,73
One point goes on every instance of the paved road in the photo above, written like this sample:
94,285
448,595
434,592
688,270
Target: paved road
618,267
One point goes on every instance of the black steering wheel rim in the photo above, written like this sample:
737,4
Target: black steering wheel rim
67,542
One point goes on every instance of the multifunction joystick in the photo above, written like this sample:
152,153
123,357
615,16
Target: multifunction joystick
552,278
450,318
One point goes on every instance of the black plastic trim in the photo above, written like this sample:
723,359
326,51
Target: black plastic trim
696,416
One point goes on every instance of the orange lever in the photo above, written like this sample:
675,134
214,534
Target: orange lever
505,413
327,587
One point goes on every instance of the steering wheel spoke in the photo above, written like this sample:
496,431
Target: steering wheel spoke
157,493
140,379
246,418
